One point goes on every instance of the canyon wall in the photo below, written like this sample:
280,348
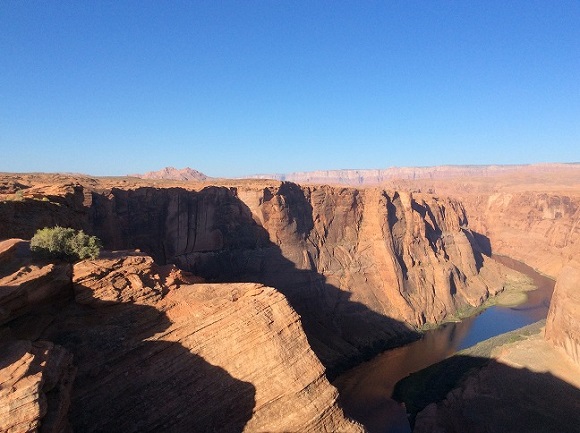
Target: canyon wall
541,229
360,266
528,212
355,264
563,323
484,399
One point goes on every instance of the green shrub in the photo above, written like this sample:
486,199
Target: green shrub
65,243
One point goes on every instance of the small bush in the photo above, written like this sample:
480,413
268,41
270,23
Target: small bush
65,243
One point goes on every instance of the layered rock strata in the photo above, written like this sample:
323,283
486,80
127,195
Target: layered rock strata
528,212
541,229
154,352
355,264
361,267
377,176
35,386
563,322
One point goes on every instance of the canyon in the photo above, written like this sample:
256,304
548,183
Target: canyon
251,294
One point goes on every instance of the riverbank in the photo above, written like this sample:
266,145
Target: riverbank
513,382
515,292
433,383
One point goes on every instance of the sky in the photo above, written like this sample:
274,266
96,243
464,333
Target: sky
234,88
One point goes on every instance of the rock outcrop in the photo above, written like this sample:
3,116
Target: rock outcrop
506,398
35,386
538,374
541,229
154,352
528,212
563,322
25,284
35,377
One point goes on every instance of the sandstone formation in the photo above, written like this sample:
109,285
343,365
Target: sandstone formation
528,212
26,285
563,323
526,386
35,386
360,266
541,229
531,214
35,377
532,384
155,352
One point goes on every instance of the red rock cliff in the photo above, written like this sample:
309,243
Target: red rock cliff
356,264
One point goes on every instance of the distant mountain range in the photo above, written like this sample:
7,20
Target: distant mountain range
354,177
172,173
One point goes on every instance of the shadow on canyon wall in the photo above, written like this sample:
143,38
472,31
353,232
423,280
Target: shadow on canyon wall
489,397
213,234
481,246
21,219
126,383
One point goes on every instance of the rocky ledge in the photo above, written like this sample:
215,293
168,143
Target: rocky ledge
154,352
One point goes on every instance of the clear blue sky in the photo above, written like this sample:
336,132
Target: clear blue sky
241,87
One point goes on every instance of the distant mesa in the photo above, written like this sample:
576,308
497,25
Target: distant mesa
172,173
353,177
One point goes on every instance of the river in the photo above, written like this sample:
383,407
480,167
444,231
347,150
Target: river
366,390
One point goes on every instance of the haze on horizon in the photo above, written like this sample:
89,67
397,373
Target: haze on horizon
239,88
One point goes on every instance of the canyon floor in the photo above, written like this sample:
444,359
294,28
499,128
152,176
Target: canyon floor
242,297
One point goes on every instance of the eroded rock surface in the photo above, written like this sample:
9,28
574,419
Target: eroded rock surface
27,284
357,265
35,386
503,399
527,212
563,322
224,357
541,229
361,266
154,352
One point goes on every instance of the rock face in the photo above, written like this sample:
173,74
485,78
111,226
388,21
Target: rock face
35,377
360,266
154,352
528,212
26,285
541,229
35,386
563,323
505,399
355,264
